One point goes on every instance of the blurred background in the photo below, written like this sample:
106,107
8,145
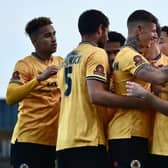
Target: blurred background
14,43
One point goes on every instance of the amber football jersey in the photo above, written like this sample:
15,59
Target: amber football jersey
110,111
128,122
160,132
38,111
80,121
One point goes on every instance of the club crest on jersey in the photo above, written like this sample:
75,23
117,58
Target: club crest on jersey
135,164
24,165
99,70
15,76
138,60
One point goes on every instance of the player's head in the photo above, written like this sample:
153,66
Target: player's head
142,25
114,43
164,40
154,49
164,34
94,22
42,34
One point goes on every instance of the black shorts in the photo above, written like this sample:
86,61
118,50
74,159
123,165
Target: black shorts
32,155
83,157
124,152
158,161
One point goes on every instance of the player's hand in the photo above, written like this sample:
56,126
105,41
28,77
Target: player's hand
134,89
156,89
49,71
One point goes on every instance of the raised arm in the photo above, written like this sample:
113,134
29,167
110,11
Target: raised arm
17,89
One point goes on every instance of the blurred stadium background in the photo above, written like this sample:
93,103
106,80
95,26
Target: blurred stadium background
8,116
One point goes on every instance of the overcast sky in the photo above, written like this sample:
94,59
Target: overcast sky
14,14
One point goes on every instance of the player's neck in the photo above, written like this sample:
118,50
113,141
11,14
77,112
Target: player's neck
41,57
132,42
89,40
156,57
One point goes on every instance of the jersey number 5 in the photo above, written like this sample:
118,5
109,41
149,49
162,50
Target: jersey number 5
68,80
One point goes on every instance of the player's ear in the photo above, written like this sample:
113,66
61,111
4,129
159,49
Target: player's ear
100,29
139,29
33,39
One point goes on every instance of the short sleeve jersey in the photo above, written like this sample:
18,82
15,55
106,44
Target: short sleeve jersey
38,111
128,122
80,122
160,132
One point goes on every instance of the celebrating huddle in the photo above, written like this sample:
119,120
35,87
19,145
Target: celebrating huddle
95,108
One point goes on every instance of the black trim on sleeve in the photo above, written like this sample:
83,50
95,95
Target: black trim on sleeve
17,82
96,78
140,67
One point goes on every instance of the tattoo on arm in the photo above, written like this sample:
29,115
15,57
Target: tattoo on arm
147,67
165,69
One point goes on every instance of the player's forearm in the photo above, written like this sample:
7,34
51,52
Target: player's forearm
16,92
157,103
160,77
150,74
108,99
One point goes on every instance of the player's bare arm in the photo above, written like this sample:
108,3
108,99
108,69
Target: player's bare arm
164,69
100,96
148,73
134,89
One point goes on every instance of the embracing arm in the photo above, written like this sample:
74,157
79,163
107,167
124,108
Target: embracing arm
148,73
100,96
134,89
157,103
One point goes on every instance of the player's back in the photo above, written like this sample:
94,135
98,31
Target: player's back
79,122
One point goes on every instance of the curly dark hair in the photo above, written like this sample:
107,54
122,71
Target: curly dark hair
114,36
33,26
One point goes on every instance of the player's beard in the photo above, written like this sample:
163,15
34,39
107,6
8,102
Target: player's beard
101,44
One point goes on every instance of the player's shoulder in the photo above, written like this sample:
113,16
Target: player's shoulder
98,54
88,48
26,59
100,50
127,53
129,50
56,57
